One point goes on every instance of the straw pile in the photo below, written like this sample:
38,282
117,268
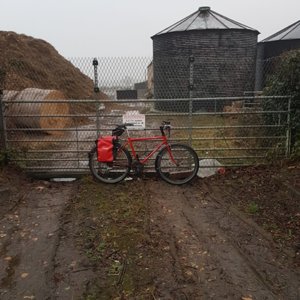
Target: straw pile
37,110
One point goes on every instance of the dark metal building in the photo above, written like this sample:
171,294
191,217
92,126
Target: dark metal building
224,53
127,94
282,41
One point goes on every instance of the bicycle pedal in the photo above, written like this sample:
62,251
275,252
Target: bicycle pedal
138,168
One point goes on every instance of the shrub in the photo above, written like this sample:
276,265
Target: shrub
285,81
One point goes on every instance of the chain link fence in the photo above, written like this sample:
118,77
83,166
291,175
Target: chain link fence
50,123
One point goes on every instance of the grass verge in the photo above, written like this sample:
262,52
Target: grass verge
113,231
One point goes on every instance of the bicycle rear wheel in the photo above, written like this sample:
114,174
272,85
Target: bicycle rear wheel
110,172
183,170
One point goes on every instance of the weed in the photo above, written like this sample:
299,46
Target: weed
272,227
253,208
296,149
115,268
3,158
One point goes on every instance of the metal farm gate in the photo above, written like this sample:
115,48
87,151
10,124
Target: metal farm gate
51,136
236,131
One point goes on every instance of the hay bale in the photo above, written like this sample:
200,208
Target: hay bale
38,109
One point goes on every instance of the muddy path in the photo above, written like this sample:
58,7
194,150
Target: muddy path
30,235
141,239
213,252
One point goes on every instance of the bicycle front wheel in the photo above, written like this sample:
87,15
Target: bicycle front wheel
110,172
177,164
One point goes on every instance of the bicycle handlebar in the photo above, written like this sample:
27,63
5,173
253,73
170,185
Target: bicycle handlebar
166,126
124,125
128,124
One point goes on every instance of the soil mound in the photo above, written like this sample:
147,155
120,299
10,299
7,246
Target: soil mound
28,62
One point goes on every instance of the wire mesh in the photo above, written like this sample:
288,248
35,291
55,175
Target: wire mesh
51,123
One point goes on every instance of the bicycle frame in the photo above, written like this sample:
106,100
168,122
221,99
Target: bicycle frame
172,168
164,142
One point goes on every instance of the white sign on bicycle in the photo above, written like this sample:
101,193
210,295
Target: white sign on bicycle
135,118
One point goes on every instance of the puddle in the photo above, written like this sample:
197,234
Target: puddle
128,179
67,179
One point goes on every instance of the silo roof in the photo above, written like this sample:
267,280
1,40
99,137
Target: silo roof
289,33
204,18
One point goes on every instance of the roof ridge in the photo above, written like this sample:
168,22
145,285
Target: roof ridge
291,27
211,20
235,22
176,23
197,15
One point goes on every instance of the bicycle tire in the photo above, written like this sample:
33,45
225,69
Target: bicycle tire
186,168
111,172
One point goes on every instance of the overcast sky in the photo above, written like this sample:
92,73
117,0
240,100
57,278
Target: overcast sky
78,28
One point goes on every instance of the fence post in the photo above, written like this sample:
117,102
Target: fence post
288,130
2,123
191,89
2,120
96,91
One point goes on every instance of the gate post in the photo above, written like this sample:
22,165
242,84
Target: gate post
191,88
2,123
96,91
2,120
288,130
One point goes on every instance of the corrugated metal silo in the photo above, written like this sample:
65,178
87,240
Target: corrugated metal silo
224,52
282,41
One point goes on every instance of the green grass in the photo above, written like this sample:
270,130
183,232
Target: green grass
113,233
219,145
253,208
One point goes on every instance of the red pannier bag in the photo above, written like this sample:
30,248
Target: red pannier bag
105,147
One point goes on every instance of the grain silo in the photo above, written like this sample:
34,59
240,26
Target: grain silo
273,46
224,53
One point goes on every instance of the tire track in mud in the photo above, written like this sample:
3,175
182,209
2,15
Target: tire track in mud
212,253
29,241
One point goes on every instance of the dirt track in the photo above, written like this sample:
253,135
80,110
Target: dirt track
185,243
30,228
214,253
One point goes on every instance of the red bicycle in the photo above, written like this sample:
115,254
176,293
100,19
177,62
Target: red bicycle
175,163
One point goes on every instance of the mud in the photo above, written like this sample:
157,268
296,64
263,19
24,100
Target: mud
141,239
214,254
30,235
